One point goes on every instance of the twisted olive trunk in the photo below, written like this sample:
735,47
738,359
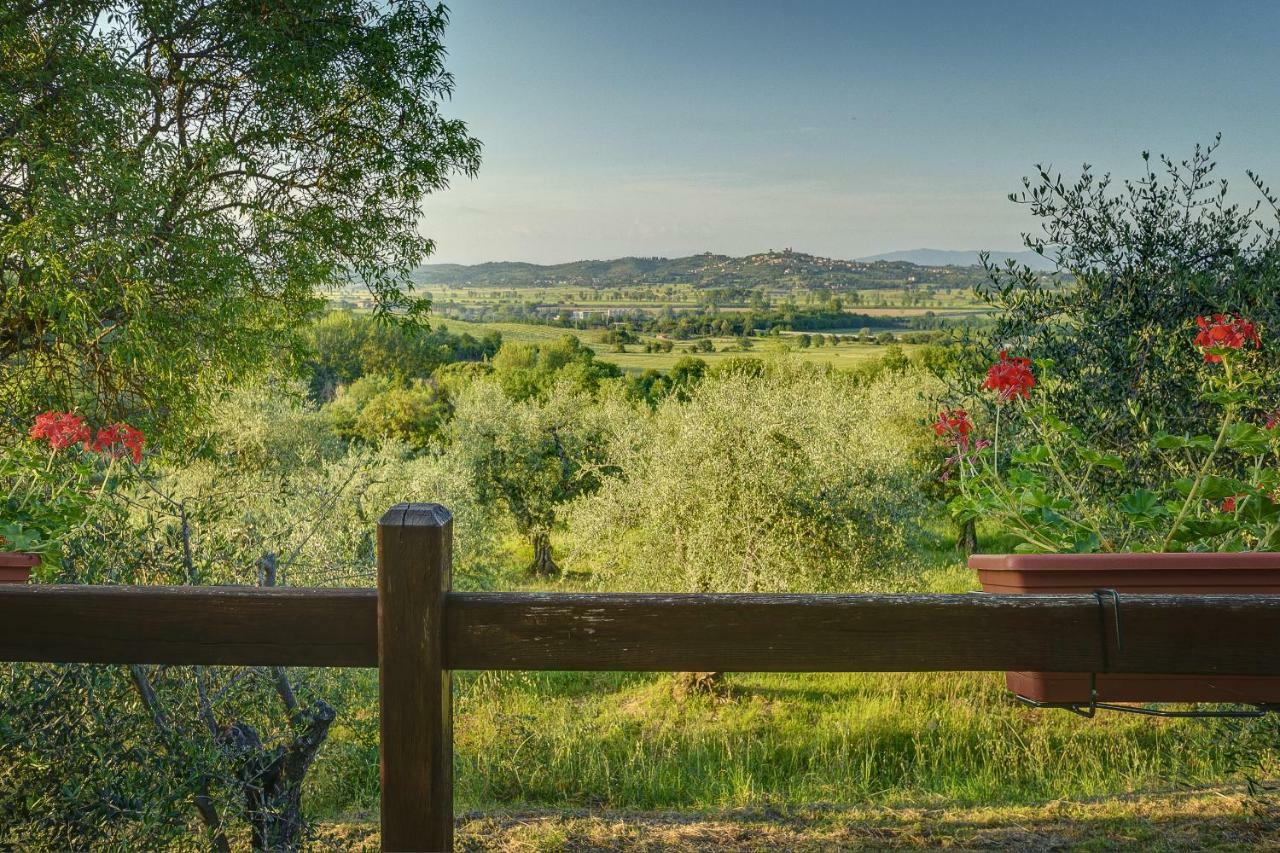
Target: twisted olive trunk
967,538
272,777
543,565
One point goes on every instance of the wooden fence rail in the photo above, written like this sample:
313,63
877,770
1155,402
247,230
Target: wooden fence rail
416,631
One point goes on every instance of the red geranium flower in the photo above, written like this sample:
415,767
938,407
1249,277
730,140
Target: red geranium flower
120,439
1010,377
1224,332
60,429
955,426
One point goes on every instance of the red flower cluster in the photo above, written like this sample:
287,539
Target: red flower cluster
1224,332
60,429
119,439
63,429
1010,377
955,426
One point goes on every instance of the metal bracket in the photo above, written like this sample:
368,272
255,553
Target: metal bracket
1088,710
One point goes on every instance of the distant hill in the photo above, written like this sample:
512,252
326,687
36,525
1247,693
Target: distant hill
773,269
958,258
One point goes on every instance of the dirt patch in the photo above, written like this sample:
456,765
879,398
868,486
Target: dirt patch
1200,820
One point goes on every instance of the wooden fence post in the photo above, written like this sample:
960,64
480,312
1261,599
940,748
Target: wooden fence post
415,543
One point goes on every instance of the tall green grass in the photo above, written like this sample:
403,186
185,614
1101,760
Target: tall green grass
623,741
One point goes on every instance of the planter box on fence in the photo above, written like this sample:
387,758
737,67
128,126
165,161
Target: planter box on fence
1204,574
15,567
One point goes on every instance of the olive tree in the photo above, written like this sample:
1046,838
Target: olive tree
530,456
1136,262
792,478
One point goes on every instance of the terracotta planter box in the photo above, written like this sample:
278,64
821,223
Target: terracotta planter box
16,567
1204,574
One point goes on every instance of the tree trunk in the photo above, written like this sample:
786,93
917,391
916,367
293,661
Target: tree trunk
967,540
693,683
271,778
543,566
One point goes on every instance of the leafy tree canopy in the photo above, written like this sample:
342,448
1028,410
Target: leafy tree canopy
343,346
525,371
178,181
1142,260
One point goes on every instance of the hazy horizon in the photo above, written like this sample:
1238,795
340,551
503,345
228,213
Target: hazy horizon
434,261
841,130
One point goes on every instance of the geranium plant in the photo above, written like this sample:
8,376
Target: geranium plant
53,476
1055,492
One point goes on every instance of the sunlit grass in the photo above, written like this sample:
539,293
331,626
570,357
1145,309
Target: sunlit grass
624,741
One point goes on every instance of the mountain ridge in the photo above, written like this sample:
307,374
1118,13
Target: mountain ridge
779,269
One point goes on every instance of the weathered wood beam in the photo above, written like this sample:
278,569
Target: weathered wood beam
1229,634
189,625
415,547
1218,634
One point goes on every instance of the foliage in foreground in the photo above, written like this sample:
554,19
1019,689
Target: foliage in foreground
169,209
1141,259
1055,493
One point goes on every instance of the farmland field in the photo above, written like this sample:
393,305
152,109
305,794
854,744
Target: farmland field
636,360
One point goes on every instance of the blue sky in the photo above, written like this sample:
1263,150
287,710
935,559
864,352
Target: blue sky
842,129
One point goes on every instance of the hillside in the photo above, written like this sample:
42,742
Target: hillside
958,258
784,269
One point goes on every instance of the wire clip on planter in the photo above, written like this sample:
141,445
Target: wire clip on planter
1090,708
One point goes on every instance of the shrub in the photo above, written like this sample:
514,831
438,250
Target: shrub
786,478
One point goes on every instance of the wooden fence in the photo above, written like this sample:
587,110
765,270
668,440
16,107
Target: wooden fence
416,631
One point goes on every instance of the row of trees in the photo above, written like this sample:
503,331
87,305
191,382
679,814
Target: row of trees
694,323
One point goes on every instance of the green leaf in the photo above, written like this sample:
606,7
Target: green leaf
1106,460
1257,509
1227,397
1142,503
1215,488
1164,441
1085,543
1035,455
1056,424
1248,439
1202,442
